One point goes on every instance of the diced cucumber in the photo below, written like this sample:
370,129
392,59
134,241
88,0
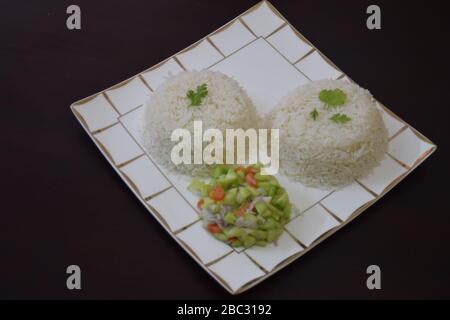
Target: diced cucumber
270,224
265,186
231,177
220,236
280,191
284,220
260,220
267,213
269,187
274,181
252,191
230,197
287,210
273,234
261,243
259,177
230,218
281,200
249,241
219,170
259,234
222,182
275,210
235,232
250,219
272,191
260,207
260,226
243,194
257,166
197,186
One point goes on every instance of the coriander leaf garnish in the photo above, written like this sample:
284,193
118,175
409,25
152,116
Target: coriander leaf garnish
333,98
314,114
340,118
196,97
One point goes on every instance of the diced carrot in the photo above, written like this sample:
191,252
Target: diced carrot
200,204
213,228
250,179
250,169
217,193
242,209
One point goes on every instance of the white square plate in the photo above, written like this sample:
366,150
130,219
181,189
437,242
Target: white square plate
261,50
310,225
199,241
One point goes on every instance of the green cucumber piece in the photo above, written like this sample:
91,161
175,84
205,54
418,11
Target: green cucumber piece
230,218
231,177
287,210
261,243
274,182
257,167
199,187
266,214
260,207
273,234
265,186
259,177
252,191
275,210
230,197
270,188
243,194
235,232
259,234
281,200
250,218
219,170
220,236
270,224
249,241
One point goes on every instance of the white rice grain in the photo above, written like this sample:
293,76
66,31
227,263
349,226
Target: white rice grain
226,106
322,153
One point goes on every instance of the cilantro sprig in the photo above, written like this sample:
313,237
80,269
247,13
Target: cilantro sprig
340,118
332,98
197,96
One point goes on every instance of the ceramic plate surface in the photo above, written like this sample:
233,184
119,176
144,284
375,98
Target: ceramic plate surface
261,50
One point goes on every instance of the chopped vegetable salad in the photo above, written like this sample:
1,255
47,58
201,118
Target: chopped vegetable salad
242,207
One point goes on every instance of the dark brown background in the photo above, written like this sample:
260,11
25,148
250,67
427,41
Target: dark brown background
62,204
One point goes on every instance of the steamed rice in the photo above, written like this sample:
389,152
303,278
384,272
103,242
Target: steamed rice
226,106
322,153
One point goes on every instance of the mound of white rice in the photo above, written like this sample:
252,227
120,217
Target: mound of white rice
226,106
322,153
